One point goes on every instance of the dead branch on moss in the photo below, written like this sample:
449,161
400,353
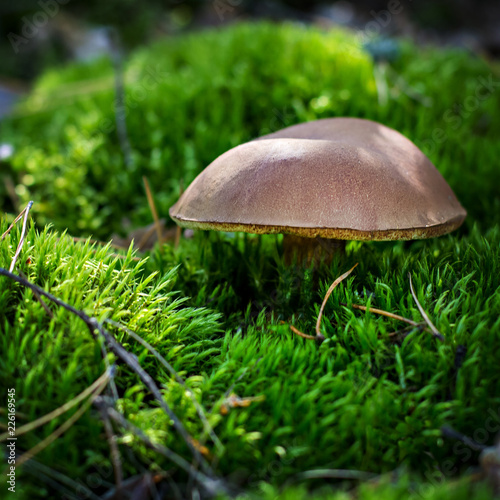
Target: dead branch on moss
37,297
199,409
213,485
406,331
397,317
56,478
113,446
116,348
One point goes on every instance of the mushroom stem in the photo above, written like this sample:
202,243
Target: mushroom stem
311,250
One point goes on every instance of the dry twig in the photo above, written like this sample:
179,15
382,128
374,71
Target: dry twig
102,380
113,446
319,336
209,483
201,413
130,360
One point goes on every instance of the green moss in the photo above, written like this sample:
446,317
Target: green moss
361,400
190,99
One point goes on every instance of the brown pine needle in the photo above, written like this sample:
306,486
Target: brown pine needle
382,313
303,335
102,380
319,335
60,430
24,214
152,207
23,235
14,222
327,296
434,330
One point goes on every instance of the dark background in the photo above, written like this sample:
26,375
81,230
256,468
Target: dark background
77,30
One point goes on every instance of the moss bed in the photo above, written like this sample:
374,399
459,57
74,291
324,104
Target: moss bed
363,400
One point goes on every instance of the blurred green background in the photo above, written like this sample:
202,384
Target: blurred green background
61,37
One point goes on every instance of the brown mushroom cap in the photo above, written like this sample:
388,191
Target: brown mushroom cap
343,178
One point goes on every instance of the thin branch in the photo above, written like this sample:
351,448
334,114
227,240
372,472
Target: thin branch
115,347
201,413
112,386
434,330
451,433
133,364
328,293
36,468
211,484
115,452
52,298
103,379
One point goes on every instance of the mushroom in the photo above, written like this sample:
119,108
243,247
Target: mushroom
321,183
